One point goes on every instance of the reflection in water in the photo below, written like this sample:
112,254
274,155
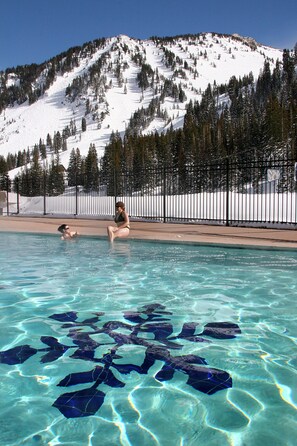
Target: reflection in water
120,249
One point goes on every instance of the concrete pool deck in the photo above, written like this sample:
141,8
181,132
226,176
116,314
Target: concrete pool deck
189,233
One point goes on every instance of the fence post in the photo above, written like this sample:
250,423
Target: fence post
76,190
7,195
44,192
17,194
295,191
164,195
115,191
227,190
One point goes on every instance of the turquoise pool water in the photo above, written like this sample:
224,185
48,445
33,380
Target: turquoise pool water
146,344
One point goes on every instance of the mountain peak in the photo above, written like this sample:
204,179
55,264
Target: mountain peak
108,81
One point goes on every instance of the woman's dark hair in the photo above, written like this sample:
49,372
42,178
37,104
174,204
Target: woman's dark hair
62,228
120,204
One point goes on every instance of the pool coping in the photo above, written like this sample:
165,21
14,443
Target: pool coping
240,237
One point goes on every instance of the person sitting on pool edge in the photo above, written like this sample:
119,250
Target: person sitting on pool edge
66,233
122,228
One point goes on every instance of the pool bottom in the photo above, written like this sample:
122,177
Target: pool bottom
195,286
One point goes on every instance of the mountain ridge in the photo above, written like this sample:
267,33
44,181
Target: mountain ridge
107,85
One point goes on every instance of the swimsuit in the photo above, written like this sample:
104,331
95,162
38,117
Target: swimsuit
119,218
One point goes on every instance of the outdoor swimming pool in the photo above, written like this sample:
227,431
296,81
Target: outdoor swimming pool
146,344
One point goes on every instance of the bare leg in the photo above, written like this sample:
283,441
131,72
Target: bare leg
110,233
113,232
124,232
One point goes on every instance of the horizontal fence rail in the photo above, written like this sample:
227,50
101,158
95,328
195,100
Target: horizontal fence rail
227,192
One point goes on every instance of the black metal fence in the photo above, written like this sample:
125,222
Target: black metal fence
224,192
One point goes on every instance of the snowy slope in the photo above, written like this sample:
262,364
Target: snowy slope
202,60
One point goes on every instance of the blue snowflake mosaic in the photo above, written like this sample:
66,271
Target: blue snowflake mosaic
152,319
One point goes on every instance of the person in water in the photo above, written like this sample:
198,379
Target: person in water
122,228
66,233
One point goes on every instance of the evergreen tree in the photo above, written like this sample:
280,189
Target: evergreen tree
49,142
11,160
57,142
83,125
144,75
74,168
5,182
25,183
55,178
36,175
64,144
3,165
72,127
88,106
42,149
91,170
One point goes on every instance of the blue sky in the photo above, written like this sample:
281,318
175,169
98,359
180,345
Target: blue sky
32,31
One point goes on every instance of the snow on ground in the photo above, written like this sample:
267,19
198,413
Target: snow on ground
253,209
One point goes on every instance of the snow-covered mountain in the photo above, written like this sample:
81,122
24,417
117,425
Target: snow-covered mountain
107,101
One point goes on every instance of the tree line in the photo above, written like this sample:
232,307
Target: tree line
244,119
52,178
